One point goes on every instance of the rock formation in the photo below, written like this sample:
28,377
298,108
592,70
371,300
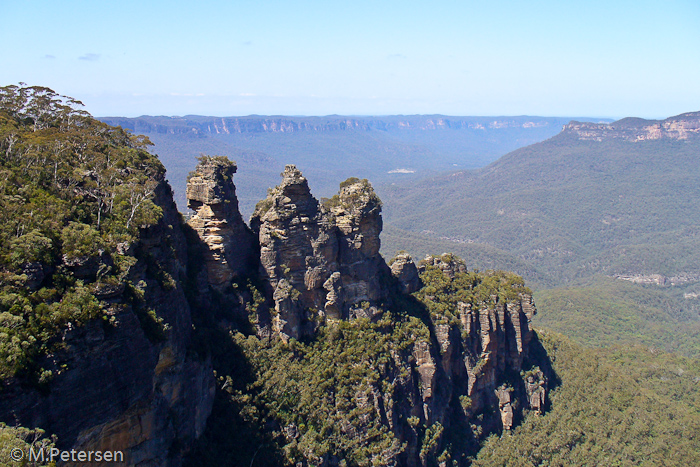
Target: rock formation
318,261
490,340
404,270
446,263
357,215
298,254
321,261
212,195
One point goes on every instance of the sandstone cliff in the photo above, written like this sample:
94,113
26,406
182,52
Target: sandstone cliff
470,366
481,346
211,194
199,126
680,127
130,383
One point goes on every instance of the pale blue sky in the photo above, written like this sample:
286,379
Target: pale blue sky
554,58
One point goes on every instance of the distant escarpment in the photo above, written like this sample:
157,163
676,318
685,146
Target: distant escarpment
680,127
344,364
332,148
201,125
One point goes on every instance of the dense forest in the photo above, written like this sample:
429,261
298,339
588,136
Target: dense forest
619,406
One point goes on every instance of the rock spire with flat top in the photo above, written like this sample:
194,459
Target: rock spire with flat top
211,194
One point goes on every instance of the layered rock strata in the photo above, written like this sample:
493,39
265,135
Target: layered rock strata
356,213
490,340
680,127
211,194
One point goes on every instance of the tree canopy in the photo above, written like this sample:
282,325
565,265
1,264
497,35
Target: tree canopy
74,193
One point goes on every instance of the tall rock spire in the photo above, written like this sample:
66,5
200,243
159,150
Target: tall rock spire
298,253
212,195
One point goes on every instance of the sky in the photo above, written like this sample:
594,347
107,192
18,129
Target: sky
233,58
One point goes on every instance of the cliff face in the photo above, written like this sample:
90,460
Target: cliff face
478,354
115,316
128,383
357,214
681,127
463,369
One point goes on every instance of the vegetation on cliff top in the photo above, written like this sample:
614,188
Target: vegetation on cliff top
478,289
74,193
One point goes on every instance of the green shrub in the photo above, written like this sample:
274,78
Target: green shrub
32,247
80,241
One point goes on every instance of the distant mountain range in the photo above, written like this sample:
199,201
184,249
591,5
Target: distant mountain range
596,207
333,148
593,199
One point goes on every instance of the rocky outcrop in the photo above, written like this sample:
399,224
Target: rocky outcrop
680,127
491,339
536,389
448,264
319,261
404,270
494,342
298,255
211,194
129,382
356,213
